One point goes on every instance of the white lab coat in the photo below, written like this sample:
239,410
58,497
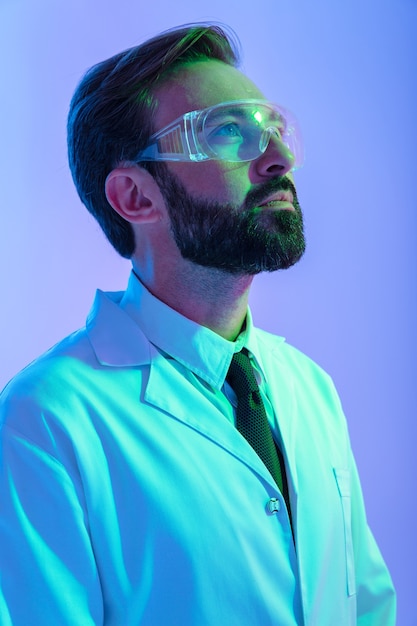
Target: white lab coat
128,499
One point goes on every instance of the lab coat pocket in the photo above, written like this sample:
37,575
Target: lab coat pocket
343,484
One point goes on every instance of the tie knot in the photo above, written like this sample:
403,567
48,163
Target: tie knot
240,375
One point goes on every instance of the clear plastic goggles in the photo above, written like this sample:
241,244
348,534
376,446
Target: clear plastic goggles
231,131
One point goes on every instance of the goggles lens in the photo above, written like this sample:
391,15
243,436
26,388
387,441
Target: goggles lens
232,131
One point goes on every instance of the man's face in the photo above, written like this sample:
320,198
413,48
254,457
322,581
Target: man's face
239,217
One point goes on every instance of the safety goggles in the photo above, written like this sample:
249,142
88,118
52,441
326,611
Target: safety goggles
231,131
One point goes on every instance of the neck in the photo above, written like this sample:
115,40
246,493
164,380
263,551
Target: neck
210,297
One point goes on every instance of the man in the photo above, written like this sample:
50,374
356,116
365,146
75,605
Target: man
131,493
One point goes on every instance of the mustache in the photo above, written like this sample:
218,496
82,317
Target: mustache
257,196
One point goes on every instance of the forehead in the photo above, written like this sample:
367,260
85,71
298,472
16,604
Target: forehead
200,85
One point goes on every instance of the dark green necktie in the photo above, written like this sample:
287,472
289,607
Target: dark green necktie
252,421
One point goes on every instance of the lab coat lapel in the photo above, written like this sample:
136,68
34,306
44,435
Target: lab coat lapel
188,405
282,396
118,341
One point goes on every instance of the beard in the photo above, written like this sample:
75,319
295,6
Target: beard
245,239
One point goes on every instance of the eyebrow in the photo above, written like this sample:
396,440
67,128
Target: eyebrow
236,111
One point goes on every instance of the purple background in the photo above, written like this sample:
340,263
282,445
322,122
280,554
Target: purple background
347,69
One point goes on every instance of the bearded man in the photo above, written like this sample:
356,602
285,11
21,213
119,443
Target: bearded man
170,463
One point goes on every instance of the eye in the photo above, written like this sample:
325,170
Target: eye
230,130
282,126
278,122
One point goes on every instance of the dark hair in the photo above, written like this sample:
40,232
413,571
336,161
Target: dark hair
111,113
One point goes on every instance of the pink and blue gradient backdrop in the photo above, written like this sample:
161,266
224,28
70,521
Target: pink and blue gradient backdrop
348,70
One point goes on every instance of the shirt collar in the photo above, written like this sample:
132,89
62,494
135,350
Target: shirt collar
198,348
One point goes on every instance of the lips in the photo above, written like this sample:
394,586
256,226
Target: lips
279,196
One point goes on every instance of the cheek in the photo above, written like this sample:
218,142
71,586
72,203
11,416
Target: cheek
215,181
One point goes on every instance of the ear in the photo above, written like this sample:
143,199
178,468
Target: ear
134,195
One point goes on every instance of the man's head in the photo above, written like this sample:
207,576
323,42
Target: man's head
242,217
111,114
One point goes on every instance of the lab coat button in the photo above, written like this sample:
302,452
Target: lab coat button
273,506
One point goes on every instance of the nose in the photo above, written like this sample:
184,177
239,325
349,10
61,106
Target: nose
277,160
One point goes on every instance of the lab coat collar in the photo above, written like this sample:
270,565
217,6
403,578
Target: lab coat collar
115,338
125,327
